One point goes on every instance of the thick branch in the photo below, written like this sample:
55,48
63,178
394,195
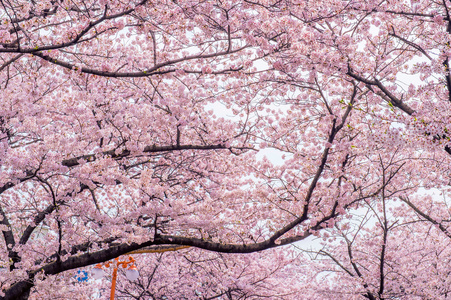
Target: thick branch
148,149
42,214
386,94
7,234
156,70
113,251
6,64
22,287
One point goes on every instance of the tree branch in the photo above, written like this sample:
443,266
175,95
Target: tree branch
155,70
148,149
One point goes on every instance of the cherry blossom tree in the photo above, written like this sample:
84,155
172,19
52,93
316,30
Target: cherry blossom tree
128,125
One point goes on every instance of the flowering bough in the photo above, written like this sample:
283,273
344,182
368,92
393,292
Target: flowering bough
129,125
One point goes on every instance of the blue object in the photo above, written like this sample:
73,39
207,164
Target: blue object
82,276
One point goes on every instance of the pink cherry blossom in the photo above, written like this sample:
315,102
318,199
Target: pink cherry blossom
292,149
